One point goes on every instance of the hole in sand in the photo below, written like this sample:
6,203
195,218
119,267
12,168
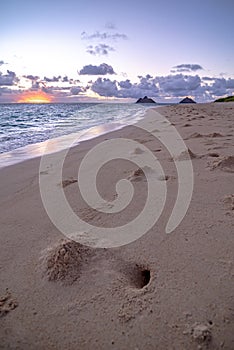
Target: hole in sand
145,275
138,275
141,277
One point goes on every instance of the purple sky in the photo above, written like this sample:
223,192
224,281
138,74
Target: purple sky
119,50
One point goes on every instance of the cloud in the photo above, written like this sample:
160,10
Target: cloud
5,90
178,85
126,84
8,79
125,89
65,79
52,80
31,77
75,90
103,69
221,87
146,86
105,87
100,49
186,68
218,88
207,79
172,87
230,83
110,25
2,62
103,36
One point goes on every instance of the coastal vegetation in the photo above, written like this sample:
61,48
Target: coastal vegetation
225,99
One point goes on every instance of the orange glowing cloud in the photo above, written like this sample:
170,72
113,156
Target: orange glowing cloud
34,97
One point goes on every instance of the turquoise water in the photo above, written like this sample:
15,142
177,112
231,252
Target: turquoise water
24,127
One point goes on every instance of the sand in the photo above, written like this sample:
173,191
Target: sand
162,291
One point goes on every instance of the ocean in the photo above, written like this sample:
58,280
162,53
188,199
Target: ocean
25,127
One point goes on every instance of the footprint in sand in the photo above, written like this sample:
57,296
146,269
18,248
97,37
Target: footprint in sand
139,174
225,164
68,182
214,134
186,155
198,135
195,135
229,201
7,304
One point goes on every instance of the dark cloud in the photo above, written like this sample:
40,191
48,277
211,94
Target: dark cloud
5,90
125,89
2,62
207,79
8,79
186,68
221,87
100,49
31,77
178,85
103,36
52,80
105,87
37,85
126,84
218,88
75,90
172,86
103,69
146,86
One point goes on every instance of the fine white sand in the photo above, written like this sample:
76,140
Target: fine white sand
163,291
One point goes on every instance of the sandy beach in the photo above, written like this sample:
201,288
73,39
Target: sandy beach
161,291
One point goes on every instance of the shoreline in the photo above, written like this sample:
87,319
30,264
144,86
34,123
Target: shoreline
59,143
160,291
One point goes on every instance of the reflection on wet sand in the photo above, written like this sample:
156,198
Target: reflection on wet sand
55,145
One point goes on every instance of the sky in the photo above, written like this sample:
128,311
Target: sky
116,51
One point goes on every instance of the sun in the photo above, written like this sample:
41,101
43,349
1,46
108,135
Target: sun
34,97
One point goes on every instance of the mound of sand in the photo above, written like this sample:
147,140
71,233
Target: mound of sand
63,261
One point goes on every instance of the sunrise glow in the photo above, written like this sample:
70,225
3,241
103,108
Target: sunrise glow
34,97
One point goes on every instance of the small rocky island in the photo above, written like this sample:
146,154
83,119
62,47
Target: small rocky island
187,100
145,100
